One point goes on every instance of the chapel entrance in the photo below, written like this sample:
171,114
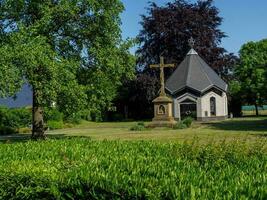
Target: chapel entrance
188,108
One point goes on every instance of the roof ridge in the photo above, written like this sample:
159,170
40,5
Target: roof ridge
203,70
192,52
188,69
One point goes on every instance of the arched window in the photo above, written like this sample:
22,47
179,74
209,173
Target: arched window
212,106
162,110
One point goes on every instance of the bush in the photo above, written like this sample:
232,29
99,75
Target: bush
52,114
75,118
180,125
15,118
115,117
140,126
85,169
4,130
55,124
188,121
86,115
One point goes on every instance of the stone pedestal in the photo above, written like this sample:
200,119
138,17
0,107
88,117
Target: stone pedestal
163,116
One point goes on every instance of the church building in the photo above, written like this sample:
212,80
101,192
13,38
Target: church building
197,90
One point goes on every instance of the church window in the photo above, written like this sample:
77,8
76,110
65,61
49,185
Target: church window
212,106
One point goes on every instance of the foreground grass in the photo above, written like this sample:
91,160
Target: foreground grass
85,169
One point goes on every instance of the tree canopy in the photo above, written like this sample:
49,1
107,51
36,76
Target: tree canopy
251,74
69,51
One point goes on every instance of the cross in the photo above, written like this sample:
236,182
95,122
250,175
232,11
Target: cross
162,65
191,42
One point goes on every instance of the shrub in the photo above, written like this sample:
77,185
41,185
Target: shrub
140,126
52,114
116,117
75,118
188,121
55,124
180,125
15,118
86,115
4,130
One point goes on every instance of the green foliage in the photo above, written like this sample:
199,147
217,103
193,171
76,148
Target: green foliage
140,126
51,124
188,121
5,130
15,118
53,114
251,73
115,117
70,52
75,118
185,123
141,123
84,169
180,125
85,114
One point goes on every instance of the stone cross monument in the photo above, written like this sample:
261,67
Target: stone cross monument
163,114
162,65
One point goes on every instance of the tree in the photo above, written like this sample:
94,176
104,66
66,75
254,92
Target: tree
67,50
251,73
166,31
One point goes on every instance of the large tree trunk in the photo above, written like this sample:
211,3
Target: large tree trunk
38,129
257,109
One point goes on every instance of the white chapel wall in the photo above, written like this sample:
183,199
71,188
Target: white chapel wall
221,104
176,109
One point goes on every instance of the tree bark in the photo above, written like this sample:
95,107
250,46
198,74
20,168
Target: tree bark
38,130
257,109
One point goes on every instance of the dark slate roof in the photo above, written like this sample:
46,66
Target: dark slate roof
194,73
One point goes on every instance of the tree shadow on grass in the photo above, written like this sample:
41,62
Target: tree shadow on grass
263,135
241,125
18,138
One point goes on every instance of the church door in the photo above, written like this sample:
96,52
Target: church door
188,108
212,106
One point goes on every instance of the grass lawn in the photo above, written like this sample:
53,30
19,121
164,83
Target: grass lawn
238,129
250,129
116,164
253,112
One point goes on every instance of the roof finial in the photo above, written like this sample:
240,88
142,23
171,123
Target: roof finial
191,42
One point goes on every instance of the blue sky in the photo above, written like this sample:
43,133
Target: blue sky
244,20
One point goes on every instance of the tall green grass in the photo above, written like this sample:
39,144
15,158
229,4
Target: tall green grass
84,169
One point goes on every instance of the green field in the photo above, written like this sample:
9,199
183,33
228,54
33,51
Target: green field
250,129
218,160
253,112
